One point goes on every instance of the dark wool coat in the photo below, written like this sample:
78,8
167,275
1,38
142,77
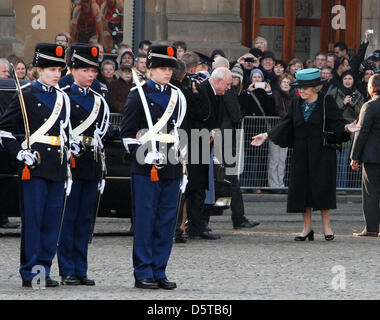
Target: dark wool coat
312,179
205,111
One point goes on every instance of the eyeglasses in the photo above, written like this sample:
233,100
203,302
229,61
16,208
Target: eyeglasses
260,44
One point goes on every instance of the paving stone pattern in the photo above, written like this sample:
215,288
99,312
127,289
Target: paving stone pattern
262,263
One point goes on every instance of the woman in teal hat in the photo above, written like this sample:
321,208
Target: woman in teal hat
312,179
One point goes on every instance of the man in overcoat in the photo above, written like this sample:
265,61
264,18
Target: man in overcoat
366,150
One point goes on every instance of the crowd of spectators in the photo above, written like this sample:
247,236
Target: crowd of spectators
261,83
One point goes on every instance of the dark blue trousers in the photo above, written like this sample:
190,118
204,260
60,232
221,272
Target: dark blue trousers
40,215
79,214
154,222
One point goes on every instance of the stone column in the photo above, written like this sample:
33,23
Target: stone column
371,20
8,43
156,23
204,25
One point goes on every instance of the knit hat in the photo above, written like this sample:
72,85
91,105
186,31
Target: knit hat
237,71
123,53
256,71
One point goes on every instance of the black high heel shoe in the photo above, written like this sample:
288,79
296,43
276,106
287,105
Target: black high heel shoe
329,237
309,236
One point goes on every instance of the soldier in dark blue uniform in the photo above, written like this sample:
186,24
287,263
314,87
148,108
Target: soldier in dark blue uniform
155,176
43,159
89,121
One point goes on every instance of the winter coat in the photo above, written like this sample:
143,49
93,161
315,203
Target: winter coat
283,100
349,112
312,178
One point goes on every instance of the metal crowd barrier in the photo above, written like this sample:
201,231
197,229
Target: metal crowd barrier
115,119
253,164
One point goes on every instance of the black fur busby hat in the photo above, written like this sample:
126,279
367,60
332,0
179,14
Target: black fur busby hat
49,55
82,55
161,56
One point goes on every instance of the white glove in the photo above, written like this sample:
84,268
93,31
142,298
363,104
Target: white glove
68,184
26,156
75,148
184,183
101,186
154,158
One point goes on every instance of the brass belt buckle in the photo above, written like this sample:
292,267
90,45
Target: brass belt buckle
165,138
87,141
55,141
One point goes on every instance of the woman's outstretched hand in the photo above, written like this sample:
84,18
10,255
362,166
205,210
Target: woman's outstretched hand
259,139
352,127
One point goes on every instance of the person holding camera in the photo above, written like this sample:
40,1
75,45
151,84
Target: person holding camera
313,165
248,62
349,101
341,51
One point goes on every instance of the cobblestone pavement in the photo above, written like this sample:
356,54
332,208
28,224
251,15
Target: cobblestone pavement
262,263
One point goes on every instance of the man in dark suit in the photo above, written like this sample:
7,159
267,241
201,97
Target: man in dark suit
366,150
208,96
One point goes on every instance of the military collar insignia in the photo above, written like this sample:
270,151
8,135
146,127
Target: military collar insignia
80,90
157,86
43,87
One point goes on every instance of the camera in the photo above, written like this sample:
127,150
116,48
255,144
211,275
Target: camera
249,60
193,78
260,85
370,31
354,97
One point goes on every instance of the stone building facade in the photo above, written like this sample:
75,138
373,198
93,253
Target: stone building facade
204,24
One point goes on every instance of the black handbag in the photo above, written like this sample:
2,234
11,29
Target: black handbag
329,139
219,172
